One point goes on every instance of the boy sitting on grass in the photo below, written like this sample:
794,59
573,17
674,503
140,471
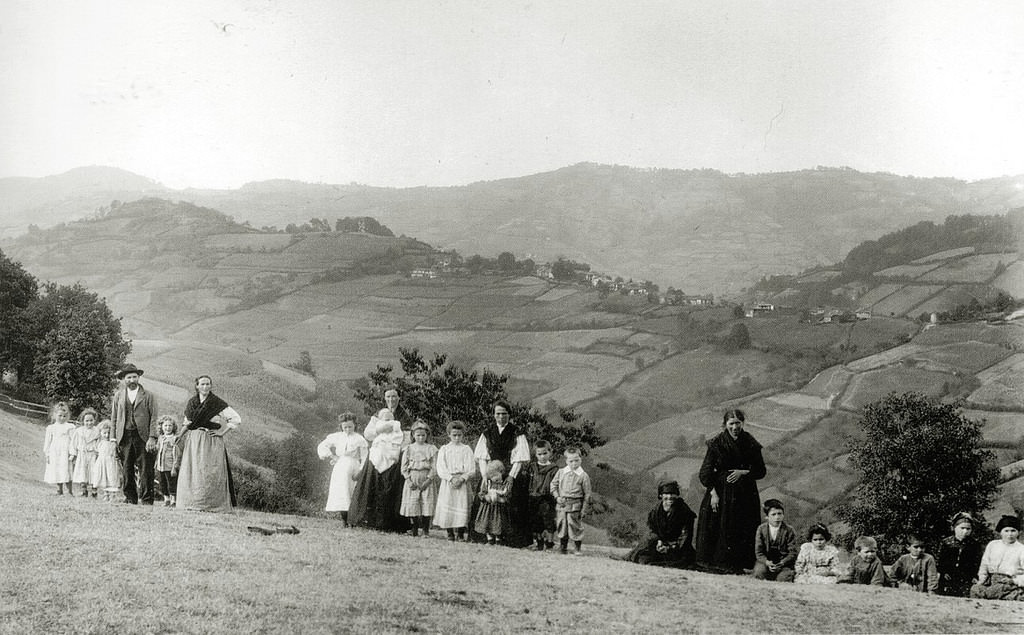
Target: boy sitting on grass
774,545
865,567
916,570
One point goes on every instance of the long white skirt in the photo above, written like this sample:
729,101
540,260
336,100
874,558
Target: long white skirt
339,497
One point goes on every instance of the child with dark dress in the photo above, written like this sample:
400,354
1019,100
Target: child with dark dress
167,458
865,567
774,545
572,492
542,503
492,518
958,558
671,524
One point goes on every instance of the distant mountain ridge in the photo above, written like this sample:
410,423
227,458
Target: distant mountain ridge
698,230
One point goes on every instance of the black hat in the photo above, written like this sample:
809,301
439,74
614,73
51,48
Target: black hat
1008,521
128,369
668,487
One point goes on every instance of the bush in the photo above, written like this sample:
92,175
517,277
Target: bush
921,462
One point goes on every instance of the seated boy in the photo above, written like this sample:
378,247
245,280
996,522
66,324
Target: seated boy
865,568
775,545
542,504
671,540
572,492
915,570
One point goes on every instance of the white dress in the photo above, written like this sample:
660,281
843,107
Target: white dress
350,451
83,446
106,471
817,566
453,504
57,448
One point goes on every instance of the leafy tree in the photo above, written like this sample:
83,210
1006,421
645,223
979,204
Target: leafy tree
921,462
78,347
304,364
18,289
737,339
506,262
438,391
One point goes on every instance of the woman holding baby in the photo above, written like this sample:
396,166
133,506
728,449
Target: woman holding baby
377,495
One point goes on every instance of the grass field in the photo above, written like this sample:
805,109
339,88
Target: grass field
170,570
905,300
1002,386
945,255
972,269
876,384
907,271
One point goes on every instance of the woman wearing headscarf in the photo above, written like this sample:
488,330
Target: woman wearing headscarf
731,509
204,475
671,523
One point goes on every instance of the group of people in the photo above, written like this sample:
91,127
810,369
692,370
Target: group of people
393,479
124,455
504,492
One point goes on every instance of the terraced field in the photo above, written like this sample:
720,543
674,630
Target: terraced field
972,269
903,301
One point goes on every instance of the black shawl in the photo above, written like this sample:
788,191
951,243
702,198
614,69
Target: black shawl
200,413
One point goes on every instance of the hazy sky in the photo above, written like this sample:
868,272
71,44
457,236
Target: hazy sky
220,92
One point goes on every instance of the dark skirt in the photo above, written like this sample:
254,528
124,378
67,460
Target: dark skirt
725,538
376,499
492,519
681,558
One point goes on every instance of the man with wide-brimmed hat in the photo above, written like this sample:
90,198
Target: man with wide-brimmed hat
133,413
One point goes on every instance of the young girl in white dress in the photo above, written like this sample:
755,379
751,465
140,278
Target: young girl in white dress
456,465
106,472
57,448
818,560
83,448
347,452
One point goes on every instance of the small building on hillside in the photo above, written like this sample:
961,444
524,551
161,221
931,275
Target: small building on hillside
760,309
427,274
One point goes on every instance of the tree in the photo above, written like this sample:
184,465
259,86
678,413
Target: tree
506,262
438,391
18,289
78,347
921,462
737,339
304,363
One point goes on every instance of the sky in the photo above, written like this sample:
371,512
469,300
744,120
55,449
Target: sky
218,93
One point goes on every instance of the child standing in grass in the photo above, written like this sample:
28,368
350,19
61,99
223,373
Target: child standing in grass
57,448
106,472
492,516
958,558
167,458
818,560
542,503
572,492
865,567
83,448
456,464
915,570
418,469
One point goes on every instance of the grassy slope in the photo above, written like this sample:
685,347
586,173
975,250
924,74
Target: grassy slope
75,565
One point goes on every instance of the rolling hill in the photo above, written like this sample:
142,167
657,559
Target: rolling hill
700,230
199,292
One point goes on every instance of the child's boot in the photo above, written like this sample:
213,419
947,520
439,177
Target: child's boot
577,545
462,534
60,489
564,547
174,503
451,534
344,519
425,525
540,542
414,522
94,492
70,493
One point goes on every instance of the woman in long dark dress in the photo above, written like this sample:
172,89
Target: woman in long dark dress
377,495
731,509
506,442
